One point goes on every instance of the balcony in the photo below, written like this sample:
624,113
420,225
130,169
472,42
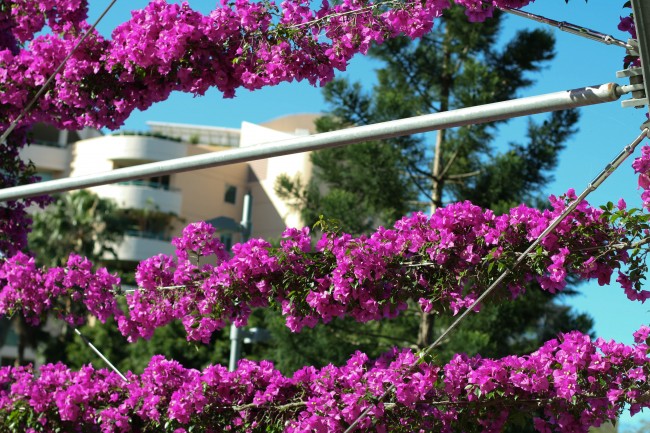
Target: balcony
136,248
47,157
129,149
142,195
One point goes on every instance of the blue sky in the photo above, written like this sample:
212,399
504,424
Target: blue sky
604,129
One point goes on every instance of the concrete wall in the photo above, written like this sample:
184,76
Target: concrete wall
271,215
195,195
104,153
204,190
55,160
135,248
141,197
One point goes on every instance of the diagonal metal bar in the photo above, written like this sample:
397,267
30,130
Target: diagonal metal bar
51,77
569,28
641,11
100,354
430,122
593,185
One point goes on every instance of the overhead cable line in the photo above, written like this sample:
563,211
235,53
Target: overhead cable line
570,28
54,74
593,185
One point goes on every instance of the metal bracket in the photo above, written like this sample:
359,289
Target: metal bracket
639,96
633,47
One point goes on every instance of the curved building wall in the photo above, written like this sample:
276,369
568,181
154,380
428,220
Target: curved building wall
134,196
104,153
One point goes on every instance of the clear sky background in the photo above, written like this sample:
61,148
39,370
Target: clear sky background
604,129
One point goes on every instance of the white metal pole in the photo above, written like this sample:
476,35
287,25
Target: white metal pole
246,216
235,347
236,334
430,122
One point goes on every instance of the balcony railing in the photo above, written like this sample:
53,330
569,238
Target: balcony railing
142,195
148,184
129,149
144,234
136,248
48,143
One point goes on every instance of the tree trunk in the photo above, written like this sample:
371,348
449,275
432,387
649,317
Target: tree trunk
426,332
21,334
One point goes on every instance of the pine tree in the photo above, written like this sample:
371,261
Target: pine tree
459,64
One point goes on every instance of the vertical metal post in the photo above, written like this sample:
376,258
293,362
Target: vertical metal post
236,335
246,222
235,347
641,10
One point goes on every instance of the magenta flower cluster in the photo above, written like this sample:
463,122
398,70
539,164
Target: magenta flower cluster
33,292
443,262
570,384
641,166
14,219
169,47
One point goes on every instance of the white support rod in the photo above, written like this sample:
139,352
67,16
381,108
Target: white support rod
100,354
237,334
429,122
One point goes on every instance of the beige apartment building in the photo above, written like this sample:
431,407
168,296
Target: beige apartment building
162,205
178,199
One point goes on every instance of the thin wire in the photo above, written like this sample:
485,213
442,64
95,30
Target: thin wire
570,28
100,354
51,78
593,185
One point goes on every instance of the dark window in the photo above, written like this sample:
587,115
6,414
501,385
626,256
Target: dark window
226,240
160,182
5,360
231,194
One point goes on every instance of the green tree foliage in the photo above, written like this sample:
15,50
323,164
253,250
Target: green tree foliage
609,428
456,65
79,222
638,427
83,223
168,341
362,186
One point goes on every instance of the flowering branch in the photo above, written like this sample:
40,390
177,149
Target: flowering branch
442,262
569,384
171,47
